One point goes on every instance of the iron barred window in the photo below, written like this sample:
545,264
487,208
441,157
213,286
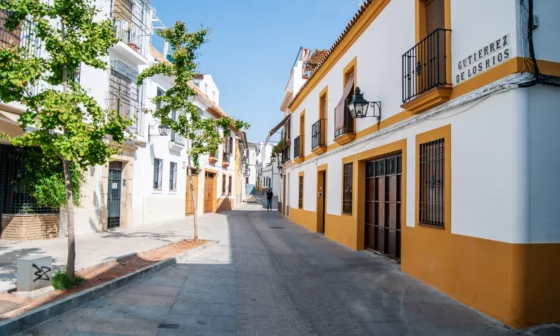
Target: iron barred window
172,176
158,173
300,196
15,183
223,184
229,185
432,177
347,185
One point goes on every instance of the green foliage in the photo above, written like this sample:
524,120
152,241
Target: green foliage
280,146
61,280
70,125
45,177
203,134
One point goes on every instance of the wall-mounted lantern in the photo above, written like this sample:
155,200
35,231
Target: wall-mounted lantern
359,106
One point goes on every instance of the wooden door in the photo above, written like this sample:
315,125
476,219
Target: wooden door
208,191
321,195
383,206
435,15
189,201
431,66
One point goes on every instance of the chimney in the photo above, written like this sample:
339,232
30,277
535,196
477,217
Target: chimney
165,48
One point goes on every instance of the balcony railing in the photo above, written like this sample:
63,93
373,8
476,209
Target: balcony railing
348,123
424,67
318,134
285,155
22,36
131,19
297,148
177,138
127,107
225,157
9,38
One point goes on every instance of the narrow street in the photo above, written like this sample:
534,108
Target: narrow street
271,277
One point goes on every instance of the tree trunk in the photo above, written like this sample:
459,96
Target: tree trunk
189,174
71,261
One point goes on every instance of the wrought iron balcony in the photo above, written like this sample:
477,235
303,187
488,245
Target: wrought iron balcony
297,147
285,155
318,134
225,158
131,19
424,67
22,36
177,138
127,107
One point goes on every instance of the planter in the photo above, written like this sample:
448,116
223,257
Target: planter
134,46
212,160
30,227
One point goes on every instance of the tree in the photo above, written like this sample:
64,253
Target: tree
202,135
69,125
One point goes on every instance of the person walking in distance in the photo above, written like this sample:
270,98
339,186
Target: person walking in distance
269,195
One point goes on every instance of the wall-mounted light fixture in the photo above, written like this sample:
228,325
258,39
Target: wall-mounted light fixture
359,106
162,129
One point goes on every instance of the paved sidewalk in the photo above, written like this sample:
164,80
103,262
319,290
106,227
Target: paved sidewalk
271,277
94,248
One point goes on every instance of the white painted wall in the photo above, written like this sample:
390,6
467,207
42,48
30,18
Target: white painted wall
208,87
545,37
492,139
544,165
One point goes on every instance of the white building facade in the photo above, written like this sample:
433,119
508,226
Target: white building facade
146,183
448,171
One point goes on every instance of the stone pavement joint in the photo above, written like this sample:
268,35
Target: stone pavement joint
262,281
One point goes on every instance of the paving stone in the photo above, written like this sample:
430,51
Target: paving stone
203,322
181,307
151,290
134,299
262,281
160,280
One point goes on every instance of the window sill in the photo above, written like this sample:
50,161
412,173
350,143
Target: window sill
299,159
319,150
225,164
212,160
347,214
431,226
345,138
429,99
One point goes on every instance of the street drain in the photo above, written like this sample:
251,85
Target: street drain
168,326
276,227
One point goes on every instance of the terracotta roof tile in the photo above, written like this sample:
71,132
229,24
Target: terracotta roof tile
326,55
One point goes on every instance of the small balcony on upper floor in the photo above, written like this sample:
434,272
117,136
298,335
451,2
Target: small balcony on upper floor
298,149
319,136
226,159
125,97
426,72
132,24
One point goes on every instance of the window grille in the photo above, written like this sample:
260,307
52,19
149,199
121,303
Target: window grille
347,185
158,174
432,183
173,176
300,198
15,184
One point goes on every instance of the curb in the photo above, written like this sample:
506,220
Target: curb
104,262
41,314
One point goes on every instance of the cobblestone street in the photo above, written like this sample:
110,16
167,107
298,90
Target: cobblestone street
271,277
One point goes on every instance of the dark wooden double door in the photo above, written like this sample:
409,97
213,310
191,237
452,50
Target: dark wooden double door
383,206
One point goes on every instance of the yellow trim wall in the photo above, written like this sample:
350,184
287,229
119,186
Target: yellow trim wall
514,283
515,65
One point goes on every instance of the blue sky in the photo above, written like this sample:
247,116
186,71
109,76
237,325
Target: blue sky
253,45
